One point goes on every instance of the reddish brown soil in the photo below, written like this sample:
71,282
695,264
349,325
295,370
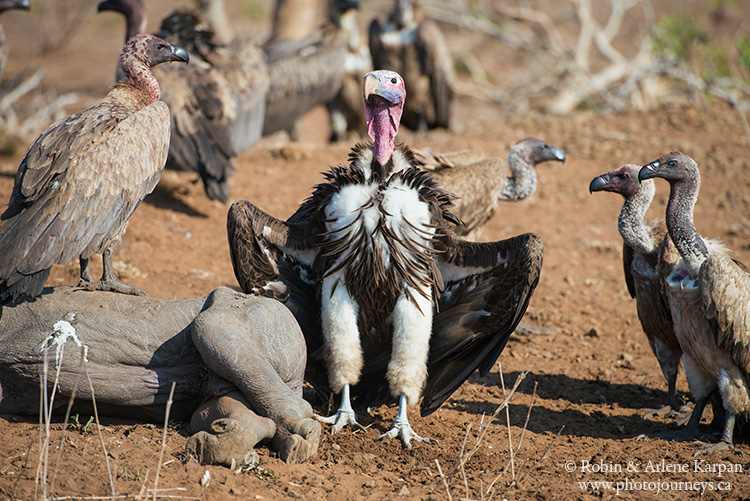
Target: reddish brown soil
588,381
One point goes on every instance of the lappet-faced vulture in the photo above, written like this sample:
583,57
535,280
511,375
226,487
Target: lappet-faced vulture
648,256
85,175
414,46
217,103
480,181
709,298
392,303
7,5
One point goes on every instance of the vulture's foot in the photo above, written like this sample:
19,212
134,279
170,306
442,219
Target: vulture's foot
228,444
298,443
405,432
115,286
681,415
343,417
709,448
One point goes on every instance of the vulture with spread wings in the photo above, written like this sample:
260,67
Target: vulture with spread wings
392,303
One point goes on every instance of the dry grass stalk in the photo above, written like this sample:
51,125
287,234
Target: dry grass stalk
163,439
507,420
481,434
445,482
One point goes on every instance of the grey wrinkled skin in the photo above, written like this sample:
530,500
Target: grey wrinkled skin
237,362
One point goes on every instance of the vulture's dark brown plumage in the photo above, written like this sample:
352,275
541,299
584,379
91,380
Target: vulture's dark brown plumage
8,5
709,297
392,303
415,47
647,258
85,175
307,72
217,103
480,181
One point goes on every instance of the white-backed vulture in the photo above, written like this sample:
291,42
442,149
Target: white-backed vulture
709,298
392,303
647,257
480,181
414,46
7,5
217,103
85,175
307,72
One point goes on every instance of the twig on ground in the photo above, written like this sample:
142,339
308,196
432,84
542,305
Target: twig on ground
163,439
445,482
480,438
507,419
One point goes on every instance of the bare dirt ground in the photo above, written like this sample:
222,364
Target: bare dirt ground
588,381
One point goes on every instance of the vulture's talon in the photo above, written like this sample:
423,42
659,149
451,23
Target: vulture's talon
341,419
406,434
717,447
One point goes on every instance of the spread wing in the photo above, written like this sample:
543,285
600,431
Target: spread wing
487,290
725,292
80,182
275,258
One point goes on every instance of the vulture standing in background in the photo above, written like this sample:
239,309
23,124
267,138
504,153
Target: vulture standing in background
217,104
393,305
295,19
307,72
415,47
7,5
85,175
709,298
647,258
480,182
345,111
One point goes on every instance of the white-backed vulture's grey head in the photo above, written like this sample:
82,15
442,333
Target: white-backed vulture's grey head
141,53
684,179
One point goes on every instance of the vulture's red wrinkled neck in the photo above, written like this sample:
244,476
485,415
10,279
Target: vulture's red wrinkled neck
383,120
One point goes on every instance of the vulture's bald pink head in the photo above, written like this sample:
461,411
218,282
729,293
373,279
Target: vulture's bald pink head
384,93
143,52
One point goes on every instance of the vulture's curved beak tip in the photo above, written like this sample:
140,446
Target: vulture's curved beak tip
180,54
598,183
648,171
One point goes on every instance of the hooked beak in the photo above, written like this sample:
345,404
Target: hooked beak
374,87
180,54
558,154
599,183
649,171
22,4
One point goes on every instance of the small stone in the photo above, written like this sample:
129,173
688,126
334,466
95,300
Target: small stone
404,491
370,484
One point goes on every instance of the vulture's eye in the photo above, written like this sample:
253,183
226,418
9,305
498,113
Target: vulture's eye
162,46
393,80
672,163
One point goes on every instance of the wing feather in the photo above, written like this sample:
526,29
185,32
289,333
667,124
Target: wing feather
488,288
80,182
725,293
